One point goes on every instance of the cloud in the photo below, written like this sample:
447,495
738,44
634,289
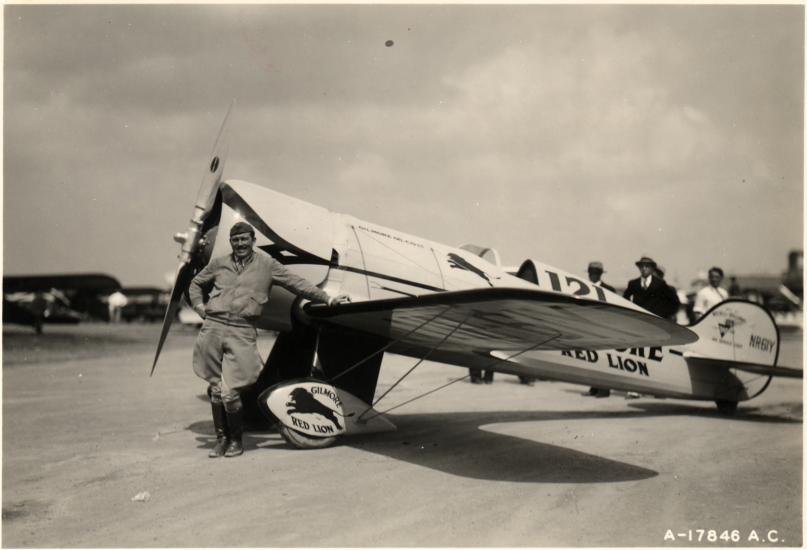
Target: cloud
554,131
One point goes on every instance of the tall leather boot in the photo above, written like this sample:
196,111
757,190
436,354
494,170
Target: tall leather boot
220,425
235,423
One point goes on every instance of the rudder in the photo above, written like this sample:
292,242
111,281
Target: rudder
737,330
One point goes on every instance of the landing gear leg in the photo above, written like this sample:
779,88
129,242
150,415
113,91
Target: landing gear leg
726,407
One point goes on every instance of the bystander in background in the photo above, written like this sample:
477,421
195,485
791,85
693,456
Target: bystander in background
710,296
595,272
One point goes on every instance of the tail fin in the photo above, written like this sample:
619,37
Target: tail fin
736,330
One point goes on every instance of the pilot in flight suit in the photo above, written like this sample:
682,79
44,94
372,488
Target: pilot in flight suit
226,353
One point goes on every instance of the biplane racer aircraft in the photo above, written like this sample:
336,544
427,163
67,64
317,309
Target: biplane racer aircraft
422,299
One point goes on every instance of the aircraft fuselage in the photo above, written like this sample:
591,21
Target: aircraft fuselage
346,255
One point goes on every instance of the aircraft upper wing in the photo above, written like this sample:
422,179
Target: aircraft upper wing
504,319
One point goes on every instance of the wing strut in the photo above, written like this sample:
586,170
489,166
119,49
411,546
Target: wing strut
426,356
407,373
516,354
392,343
361,418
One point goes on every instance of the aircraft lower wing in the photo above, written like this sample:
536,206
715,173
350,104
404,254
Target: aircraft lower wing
504,319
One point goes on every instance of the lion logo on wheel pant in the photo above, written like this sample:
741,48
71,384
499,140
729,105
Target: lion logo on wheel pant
301,401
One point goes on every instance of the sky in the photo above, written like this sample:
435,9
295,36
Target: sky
561,133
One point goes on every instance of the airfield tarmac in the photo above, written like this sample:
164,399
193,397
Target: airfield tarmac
85,430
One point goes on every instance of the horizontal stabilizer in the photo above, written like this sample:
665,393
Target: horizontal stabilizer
756,368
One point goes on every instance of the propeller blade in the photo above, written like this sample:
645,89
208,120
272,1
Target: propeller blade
183,280
200,224
206,197
212,176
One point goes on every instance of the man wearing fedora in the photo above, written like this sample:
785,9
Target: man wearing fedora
595,271
650,291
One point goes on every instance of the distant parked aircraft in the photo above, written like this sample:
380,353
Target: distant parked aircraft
34,300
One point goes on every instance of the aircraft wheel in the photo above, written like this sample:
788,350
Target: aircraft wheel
302,441
726,407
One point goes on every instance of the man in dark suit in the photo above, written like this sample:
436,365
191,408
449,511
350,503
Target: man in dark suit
671,295
651,292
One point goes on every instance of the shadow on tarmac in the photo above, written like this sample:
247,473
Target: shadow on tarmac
781,413
454,443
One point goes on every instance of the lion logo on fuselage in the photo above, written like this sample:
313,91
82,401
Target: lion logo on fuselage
458,262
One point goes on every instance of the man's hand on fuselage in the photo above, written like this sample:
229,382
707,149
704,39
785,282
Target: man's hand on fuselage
340,299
